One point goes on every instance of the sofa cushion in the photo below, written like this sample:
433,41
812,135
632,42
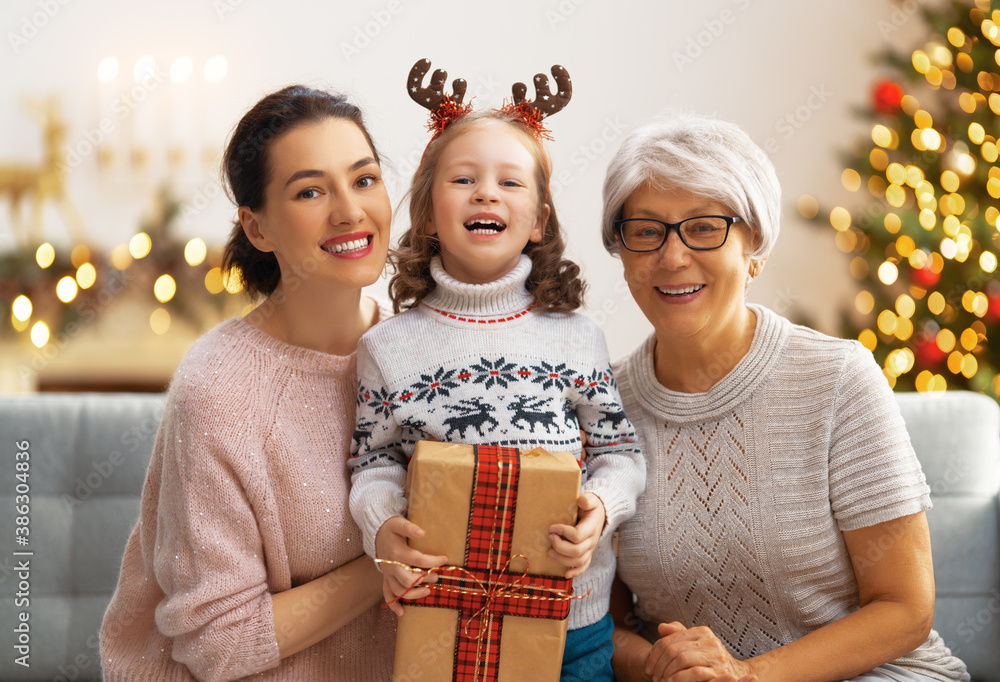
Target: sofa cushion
956,436
88,459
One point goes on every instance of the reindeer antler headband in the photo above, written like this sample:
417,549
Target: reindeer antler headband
445,108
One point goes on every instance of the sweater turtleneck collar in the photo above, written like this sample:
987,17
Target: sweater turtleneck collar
505,296
771,334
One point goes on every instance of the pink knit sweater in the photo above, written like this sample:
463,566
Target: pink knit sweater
246,495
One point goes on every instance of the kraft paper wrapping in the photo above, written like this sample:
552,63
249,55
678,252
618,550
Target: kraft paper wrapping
439,484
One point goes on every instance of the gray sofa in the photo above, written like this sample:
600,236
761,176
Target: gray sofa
88,456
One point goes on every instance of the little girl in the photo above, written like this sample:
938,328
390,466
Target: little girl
490,352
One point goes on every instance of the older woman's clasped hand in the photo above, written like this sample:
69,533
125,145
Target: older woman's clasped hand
693,655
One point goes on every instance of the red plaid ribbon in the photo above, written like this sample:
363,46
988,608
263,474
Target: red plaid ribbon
485,590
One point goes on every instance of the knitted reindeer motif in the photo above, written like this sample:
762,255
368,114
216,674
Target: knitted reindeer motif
614,418
43,180
362,431
471,414
529,410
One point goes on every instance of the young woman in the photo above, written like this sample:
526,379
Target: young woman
245,560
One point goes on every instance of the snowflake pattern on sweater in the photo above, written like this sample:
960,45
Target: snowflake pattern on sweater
524,413
475,364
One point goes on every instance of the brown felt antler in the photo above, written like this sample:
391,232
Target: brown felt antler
433,95
546,102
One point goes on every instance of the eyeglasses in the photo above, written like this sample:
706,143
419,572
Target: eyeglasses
701,233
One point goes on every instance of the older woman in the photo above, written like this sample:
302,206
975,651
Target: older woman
777,458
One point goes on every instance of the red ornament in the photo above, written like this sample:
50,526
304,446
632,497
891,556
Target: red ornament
929,354
925,278
887,96
993,310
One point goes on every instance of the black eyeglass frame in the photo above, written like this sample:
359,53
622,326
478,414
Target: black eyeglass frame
619,223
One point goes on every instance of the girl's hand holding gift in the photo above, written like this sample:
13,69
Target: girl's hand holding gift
391,545
573,546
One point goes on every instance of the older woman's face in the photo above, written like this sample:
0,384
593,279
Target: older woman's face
688,295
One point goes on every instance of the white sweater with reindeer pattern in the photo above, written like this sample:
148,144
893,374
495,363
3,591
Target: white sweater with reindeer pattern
473,363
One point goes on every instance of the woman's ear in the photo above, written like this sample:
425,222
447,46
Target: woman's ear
538,233
756,267
252,229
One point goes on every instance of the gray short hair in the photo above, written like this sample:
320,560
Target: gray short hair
702,155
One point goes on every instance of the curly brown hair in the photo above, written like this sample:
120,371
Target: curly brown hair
554,281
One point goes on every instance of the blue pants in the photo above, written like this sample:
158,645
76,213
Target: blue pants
587,657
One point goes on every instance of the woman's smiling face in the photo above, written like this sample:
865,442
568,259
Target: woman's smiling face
326,212
686,294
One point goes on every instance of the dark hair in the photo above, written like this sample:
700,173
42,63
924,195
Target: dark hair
554,281
246,169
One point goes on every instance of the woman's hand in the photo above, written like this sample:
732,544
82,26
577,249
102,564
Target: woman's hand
573,546
391,544
693,655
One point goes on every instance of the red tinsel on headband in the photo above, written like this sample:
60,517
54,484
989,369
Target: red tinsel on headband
450,111
529,116
445,115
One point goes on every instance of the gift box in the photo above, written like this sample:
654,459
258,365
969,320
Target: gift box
498,610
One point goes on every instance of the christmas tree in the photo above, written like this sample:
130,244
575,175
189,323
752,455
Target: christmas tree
924,233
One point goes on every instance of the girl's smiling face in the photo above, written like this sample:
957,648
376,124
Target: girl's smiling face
485,203
326,211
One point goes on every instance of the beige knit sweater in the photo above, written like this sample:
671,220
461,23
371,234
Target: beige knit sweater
246,495
750,484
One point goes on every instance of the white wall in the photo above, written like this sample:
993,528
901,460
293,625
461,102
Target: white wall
789,72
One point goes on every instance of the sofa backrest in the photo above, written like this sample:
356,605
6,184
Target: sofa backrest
956,436
87,457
